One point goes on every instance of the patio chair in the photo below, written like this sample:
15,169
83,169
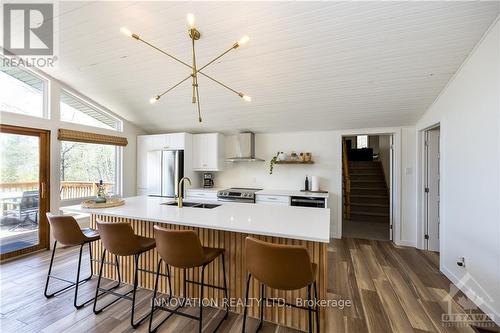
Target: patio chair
26,207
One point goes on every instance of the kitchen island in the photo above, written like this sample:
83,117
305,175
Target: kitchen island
224,226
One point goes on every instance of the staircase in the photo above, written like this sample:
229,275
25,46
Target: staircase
369,195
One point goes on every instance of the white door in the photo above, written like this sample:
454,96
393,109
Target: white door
391,186
432,189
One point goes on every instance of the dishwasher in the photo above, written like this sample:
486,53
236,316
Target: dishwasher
316,202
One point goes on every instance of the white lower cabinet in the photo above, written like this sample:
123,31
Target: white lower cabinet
201,194
283,200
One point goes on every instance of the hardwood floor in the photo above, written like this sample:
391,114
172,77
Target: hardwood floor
392,289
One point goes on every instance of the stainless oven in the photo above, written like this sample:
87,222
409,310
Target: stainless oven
238,194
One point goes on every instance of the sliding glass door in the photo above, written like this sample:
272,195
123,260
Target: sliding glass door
24,190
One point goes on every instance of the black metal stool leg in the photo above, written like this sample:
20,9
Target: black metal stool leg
246,306
108,290
50,271
154,296
316,306
90,261
78,279
262,296
225,287
185,288
309,310
134,292
200,326
118,269
153,307
103,256
170,293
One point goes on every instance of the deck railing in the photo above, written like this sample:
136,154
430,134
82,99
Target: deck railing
68,189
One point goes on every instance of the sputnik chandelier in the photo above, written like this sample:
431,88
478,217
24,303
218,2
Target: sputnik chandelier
195,35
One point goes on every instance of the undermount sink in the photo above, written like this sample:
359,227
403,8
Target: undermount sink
193,204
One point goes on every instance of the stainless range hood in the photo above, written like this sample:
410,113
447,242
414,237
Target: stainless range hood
245,149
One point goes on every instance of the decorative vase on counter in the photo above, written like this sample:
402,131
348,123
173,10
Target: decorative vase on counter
101,193
282,156
314,184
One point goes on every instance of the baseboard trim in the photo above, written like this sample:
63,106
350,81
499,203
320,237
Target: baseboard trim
405,243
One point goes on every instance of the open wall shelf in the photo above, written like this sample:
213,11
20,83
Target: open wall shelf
294,162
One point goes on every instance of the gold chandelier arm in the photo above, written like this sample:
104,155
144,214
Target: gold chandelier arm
175,86
165,53
222,84
198,102
218,57
195,78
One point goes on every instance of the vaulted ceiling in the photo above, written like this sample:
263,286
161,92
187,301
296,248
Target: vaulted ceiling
307,66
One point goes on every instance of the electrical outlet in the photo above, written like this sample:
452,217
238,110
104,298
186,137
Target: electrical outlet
461,261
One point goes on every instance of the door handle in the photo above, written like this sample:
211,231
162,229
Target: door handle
43,190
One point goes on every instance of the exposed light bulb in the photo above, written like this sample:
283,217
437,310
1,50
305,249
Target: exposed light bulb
154,99
243,40
190,19
247,98
126,32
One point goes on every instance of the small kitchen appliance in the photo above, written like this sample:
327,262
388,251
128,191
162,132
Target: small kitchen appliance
208,180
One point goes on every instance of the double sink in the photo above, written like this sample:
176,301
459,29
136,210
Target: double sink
193,205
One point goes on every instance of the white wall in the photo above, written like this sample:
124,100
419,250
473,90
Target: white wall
322,145
469,115
408,232
128,155
325,147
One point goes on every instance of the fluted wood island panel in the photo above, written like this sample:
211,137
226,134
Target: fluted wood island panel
233,243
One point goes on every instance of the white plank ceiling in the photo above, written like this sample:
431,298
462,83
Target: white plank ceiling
308,65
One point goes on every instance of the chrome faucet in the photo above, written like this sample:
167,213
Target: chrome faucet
179,198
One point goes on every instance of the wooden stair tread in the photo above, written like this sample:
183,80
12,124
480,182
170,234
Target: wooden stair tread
369,213
368,196
369,204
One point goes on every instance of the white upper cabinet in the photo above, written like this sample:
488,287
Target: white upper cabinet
167,141
146,143
208,152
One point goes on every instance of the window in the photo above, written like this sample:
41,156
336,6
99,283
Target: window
76,110
83,165
362,141
21,92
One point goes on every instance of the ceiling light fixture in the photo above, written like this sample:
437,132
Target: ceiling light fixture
195,35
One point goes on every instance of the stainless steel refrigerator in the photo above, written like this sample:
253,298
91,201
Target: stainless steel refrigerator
165,168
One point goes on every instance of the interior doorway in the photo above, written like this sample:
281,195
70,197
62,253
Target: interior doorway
24,190
367,169
431,188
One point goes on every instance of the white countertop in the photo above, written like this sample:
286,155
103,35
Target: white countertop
290,193
310,224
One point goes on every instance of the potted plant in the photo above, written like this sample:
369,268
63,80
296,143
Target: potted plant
273,162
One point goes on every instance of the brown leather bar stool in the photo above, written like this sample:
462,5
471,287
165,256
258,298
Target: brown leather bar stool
119,239
183,249
66,231
282,267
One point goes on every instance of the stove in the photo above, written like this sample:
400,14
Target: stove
238,194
